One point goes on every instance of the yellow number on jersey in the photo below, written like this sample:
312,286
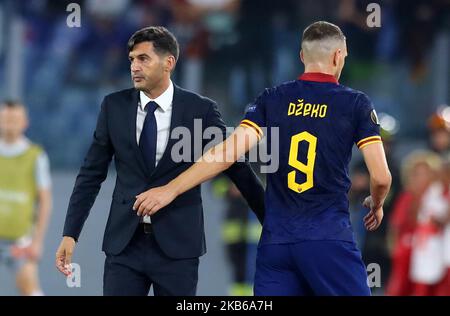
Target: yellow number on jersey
307,169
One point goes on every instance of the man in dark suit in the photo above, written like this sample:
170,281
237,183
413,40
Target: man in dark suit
134,127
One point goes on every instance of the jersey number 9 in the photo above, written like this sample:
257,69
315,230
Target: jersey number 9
308,168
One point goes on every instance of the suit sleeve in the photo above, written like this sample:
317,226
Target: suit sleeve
90,177
241,173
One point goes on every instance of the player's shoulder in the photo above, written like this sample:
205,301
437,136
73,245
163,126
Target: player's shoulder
284,87
35,149
358,96
279,90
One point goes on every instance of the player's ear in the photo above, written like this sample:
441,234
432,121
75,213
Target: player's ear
25,122
336,56
301,56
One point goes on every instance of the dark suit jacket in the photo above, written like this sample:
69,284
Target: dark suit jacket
178,228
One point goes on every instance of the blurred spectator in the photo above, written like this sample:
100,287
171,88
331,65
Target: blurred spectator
25,198
105,35
418,174
420,21
427,262
263,32
439,128
352,17
190,27
444,287
149,12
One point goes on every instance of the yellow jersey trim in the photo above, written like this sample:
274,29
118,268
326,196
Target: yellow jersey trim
368,143
252,128
254,125
365,141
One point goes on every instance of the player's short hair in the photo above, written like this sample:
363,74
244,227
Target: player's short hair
321,30
164,42
320,39
14,105
11,104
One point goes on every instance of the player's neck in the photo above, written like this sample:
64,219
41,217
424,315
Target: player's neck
319,68
10,140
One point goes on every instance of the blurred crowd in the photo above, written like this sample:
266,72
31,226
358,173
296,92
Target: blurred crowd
230,51
419,226
413,244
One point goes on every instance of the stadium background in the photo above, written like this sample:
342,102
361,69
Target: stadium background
230,51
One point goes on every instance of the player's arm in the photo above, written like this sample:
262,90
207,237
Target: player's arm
213,162
43,216
380,183
241,173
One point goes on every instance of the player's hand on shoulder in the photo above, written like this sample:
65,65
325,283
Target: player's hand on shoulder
373,219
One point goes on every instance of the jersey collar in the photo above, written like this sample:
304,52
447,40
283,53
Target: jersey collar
318,77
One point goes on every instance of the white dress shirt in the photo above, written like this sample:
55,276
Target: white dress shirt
163,116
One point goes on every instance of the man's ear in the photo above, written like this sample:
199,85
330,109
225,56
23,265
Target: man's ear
170,63
301,56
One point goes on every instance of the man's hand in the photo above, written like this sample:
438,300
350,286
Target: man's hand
64,255
151,201
373,219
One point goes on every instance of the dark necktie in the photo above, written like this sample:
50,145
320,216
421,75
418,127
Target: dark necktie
147,141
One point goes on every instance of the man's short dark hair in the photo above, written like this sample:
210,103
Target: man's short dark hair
163,40
322,30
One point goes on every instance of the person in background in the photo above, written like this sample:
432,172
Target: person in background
439,136
417,176
190,26
427,261
25,198
444,287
